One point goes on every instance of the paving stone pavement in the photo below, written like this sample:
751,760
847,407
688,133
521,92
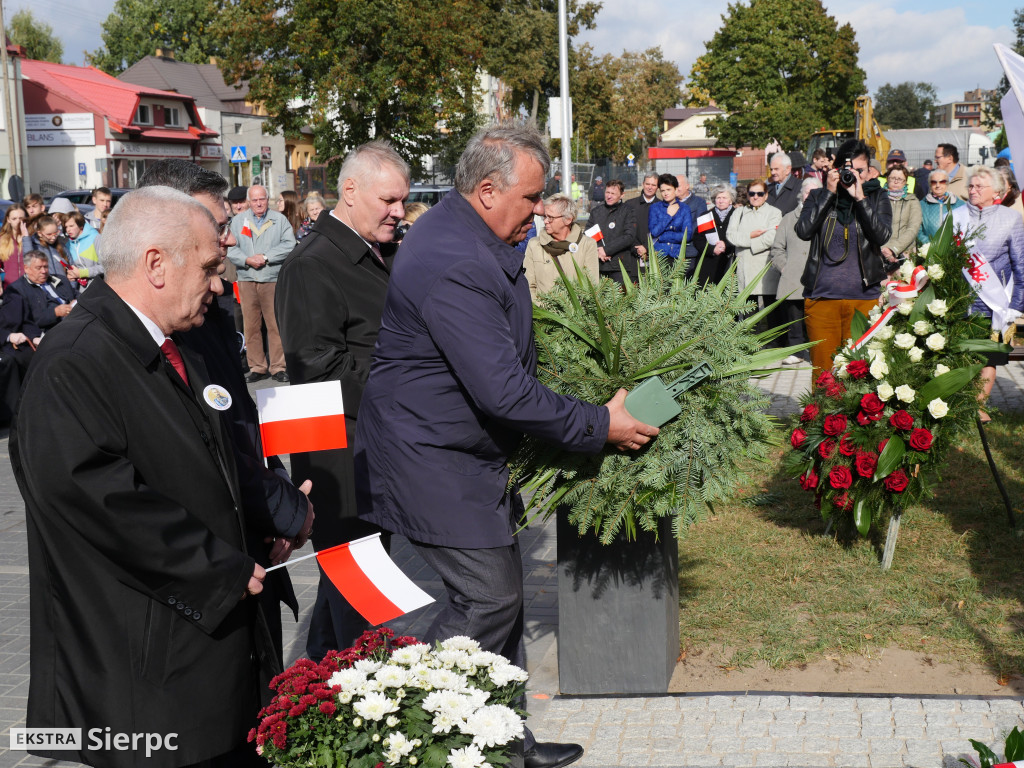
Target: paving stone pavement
729,729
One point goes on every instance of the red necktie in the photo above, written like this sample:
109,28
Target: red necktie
170,350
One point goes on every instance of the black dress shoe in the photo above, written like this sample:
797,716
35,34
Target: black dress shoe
280,376
253,377
550,754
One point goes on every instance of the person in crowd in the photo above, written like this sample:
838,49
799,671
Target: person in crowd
457,339
264,239
133,513
1012,197
898,159
702,189
698,207
312,207
998,235
288,206
819,165
719,257
412,212
669,221
618,227
789,257
45,236
12,233
554,184
597,192
906,217
874,171
83,250
34,205
641,205
286,196
102,202
936,204
49,298
19,337
921,177
751,230
329,302
62,206
784,187
847,224
947,158
562,241
238,199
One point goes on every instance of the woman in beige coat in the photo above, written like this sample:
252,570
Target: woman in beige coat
906,217
752,231
562,240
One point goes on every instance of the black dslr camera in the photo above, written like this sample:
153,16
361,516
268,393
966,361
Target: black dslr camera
847,176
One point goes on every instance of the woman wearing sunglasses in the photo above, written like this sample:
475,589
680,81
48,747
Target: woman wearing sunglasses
752,231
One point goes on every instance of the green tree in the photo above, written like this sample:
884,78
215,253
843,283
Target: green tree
906,105
780,68
36,36
136,28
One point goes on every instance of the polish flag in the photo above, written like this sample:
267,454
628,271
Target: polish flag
370,580
595,233
247,229
706,222
301,418
1015,764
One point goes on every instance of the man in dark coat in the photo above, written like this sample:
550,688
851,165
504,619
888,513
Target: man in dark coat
641,205
784,187
618,226
330,296
698,207
49,298
453,388
18,336
142,617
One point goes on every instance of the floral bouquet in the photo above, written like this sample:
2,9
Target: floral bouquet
874,432
394,701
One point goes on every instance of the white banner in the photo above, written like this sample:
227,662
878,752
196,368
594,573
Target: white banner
69,129
145,149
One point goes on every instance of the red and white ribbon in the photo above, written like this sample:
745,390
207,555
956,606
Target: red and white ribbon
897,293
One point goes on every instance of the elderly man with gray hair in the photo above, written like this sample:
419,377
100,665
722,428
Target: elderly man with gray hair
783,187
453,389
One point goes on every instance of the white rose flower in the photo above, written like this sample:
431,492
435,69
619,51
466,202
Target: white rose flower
923,250
915,354
875,313
904,340
938,308
886,333
879,368
906,270
923,327
905,393
467,757
875,344
905,308
936,272
936,342
938,408
884,390
941,369
375,706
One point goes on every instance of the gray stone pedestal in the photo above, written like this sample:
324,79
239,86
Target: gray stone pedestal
618,612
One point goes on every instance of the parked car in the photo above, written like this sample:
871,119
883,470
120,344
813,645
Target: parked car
430,194
82,198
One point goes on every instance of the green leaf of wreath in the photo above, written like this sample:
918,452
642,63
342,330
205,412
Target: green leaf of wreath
862,516
946,384
859,324
983,345
890,457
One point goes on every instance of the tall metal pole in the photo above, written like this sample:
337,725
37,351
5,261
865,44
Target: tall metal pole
563,91
8,119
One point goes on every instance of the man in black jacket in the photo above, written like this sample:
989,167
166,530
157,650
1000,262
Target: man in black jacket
618,225
641,205
847,223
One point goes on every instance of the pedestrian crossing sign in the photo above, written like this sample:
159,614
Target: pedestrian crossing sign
238,155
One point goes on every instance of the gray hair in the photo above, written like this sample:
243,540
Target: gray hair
651,176
995,178
367,160
717,190
492,154
936,173
248,192
786,160
151,216
29,256
811,182
561,205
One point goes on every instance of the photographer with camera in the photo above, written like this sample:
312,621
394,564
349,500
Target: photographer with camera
847,223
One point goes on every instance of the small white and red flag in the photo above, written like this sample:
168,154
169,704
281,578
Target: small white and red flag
247,228
301,418
369,579
595,233
706,222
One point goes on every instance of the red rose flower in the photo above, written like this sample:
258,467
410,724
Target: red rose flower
798,438
866,463
902,420
835,424
897,482
871,404
920,440
809,480
827,448
846,445
863,419
835,390
882,444
840,477
858,369
810,412
843,501
824,379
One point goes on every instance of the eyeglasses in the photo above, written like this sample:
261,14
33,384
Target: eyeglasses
979,186
223,230
756,194
552,218
939,181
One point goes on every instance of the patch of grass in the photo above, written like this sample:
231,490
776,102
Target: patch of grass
761,577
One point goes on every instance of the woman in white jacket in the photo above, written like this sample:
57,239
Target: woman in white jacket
752,231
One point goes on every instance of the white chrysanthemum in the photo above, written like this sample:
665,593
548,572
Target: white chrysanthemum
494,725
879,368
503,674
392,676
906,270
905,308
460,643
410,654
349,679
905,394
938,308
453,702
486,658
904,340
936,342
923,327
346,696
399,745
915,354
885,333
367,666
884,390
941,369
446,678
392,721
448,659
936,272
467,757
938,408
375,706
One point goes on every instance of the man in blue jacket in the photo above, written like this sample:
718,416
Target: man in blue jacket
452,390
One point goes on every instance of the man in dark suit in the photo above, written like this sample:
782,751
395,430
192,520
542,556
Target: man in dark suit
641,205
784,187
618,225
49,298
142,613
330,295
18,337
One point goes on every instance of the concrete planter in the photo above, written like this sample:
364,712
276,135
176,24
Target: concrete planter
618,612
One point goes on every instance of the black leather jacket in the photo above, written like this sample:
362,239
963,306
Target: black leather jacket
873,218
